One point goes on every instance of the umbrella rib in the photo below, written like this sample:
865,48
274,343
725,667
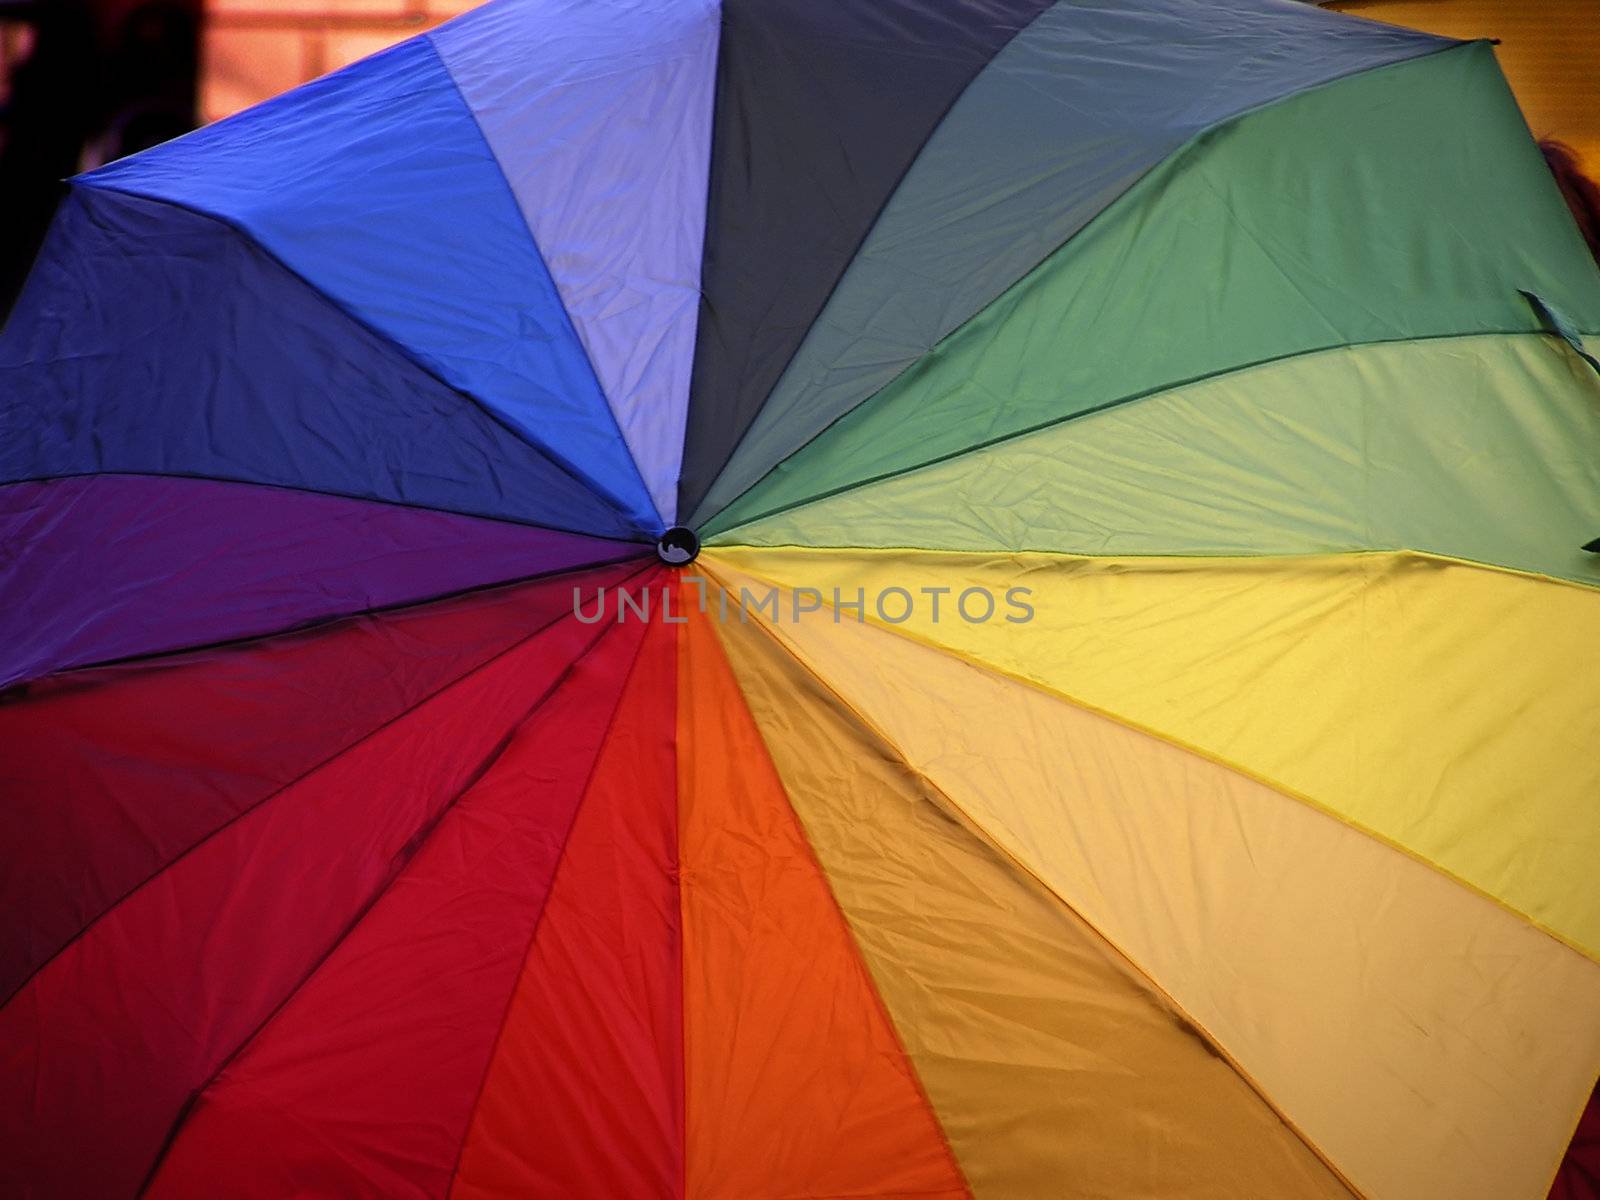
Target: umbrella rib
1185,147
200,476
858,955
1149,393
416,843
549,455
696,517
1244,771
892,749
278,791
538,921
319,624
533,240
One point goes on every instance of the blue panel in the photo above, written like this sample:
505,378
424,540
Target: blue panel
605,136
377,186
153,340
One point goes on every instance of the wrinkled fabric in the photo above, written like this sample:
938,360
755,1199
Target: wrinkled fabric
363,1083
1412,696
1229,892
375,185
599,114
585,1093
112,775
1364,211
189,562
120,1042
1066,1063
821,106
796,1083
1069,114
152,340
1399,446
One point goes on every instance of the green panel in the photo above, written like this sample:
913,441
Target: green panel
1484,448
1408,202
1047,136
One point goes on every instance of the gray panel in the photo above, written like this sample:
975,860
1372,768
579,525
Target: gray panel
1064,120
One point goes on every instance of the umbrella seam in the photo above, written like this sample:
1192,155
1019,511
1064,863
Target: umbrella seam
1057,422
1187,146
418,840
533,240
538,921
979,832
234,819
1217,760
558,461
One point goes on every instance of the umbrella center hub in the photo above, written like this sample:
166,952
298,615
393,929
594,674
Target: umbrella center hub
678,546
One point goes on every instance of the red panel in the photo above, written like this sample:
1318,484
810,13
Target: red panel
363,1084
110,1040
584,1098
108,775
1579,1177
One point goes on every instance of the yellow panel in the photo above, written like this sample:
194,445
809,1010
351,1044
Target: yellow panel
1047,1058
1429,1041
1452,709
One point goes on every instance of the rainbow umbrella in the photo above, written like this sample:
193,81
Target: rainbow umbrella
1129,732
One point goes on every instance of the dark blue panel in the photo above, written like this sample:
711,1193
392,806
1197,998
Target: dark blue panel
154,340
377,186
1064,120
821,106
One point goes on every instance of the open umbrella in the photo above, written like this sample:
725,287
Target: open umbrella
638,598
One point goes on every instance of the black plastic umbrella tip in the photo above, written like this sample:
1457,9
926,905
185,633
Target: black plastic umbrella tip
678,546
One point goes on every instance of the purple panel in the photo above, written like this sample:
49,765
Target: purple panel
108,566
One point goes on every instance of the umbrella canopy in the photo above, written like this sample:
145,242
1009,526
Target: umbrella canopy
644,598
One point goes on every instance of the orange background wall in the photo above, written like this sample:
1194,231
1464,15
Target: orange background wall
1551,48
258,48
1550,51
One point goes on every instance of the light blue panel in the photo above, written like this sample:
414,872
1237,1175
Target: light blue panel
376,185
600,114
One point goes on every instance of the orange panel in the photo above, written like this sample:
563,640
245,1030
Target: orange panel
796,1083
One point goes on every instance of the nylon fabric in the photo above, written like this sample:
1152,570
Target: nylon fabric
190,562
1464,1040
362,1084
821,106
1403,203
1066,117
152,340
416,234
121,1029
108,776
599,114
796,1084
1442,706
1477,448
1046,1056
585,1093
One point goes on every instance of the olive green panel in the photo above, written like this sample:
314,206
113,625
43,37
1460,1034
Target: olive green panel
1484,448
